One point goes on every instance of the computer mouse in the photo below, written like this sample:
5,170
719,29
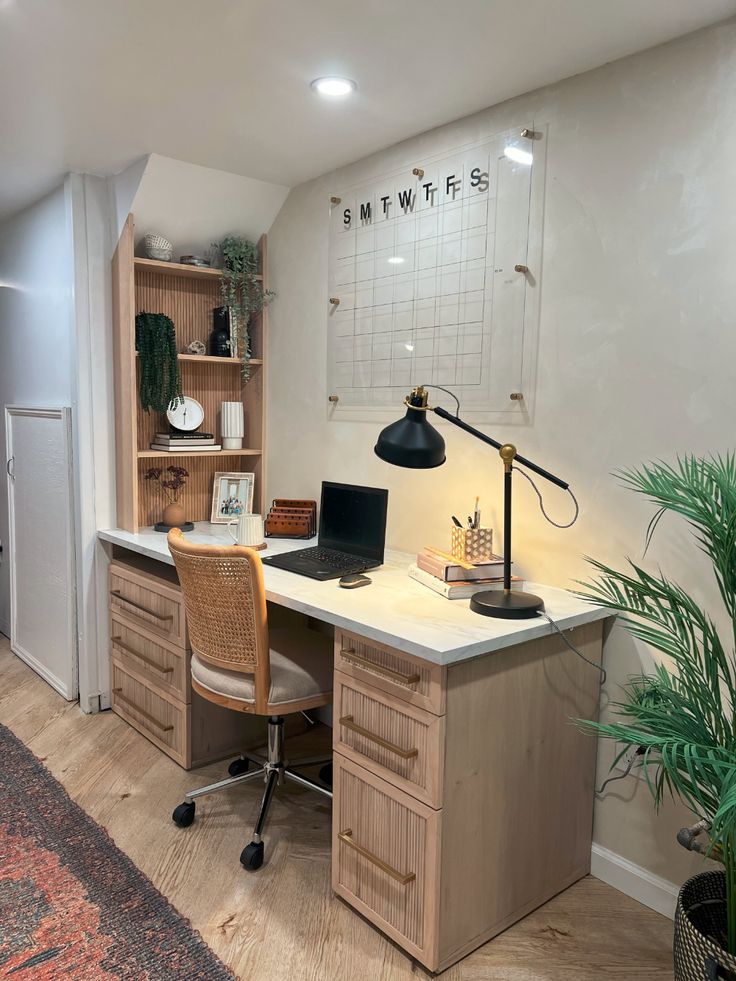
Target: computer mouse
353,580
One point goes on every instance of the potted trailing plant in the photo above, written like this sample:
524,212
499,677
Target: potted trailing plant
680,718
241,289
172,482
160,378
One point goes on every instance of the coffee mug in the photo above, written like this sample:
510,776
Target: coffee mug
249,530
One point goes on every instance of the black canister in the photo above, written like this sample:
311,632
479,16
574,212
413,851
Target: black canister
220,336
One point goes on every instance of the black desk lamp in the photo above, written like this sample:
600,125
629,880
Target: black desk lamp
412,442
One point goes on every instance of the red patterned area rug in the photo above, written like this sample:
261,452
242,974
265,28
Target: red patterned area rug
72,905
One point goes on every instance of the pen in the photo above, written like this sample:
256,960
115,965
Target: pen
470,522
476,514
456,522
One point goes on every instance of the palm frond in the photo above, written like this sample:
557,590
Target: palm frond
681,717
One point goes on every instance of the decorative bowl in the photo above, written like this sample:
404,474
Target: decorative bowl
158,247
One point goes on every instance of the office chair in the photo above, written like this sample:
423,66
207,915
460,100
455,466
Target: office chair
238,663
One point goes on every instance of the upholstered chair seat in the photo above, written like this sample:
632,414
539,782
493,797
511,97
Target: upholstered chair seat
301,668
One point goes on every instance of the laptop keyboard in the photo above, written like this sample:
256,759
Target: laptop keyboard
336,560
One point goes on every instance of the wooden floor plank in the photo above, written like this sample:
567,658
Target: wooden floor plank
283,923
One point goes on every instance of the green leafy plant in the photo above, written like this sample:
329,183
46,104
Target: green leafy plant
682,715
160,379
241,288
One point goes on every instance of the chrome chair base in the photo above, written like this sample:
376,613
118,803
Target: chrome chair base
273,770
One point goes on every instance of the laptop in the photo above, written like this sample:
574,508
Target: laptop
352,534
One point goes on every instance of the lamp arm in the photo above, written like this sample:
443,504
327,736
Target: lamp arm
457,421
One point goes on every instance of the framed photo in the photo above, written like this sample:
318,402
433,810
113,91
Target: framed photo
232,495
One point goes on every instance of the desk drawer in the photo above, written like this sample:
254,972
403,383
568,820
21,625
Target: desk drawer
160,662
162,720
148,602
401,743
385,856
399,674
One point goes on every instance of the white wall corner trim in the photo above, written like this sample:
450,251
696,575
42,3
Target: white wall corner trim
634,881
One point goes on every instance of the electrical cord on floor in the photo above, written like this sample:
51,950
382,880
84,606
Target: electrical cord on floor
598,667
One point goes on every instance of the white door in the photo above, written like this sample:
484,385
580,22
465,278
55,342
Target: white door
42,567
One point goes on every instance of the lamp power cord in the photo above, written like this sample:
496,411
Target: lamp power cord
541,502
598,667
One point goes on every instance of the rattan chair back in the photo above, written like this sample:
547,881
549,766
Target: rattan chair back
225,603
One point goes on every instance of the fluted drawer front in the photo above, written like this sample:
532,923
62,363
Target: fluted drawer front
148,602
162,720
401,743
409,678
161,663
384,855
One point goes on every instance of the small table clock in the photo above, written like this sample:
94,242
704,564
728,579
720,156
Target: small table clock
186,415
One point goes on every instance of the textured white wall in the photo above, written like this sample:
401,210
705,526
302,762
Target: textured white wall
636,352
193,206
36,327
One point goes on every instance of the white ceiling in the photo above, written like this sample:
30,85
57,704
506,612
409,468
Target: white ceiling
90,85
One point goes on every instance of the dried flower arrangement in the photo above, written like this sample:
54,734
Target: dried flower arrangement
172,481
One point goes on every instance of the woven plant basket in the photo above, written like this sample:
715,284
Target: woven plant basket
700,928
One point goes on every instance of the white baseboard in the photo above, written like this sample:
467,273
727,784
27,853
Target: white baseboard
634,881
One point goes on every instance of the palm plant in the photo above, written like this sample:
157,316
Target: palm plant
680,717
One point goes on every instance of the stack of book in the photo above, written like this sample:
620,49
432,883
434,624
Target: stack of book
184,442
458,580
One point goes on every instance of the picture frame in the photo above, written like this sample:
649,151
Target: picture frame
232,495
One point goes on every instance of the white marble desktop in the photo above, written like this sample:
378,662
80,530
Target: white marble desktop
394,610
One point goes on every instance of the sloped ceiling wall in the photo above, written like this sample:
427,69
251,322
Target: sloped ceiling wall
193,206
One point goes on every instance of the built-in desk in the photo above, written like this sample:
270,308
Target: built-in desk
394,610
463,793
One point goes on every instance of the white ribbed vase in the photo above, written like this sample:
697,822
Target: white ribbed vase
232,423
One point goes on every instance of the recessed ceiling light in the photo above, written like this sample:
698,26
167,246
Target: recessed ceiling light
518,155
333,87
395,259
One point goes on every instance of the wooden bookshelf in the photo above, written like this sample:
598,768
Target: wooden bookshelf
179,269
223,362
188,295
162,454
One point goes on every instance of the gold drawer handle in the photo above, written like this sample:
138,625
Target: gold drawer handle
141,657
163,617
405,754
363,662
146,716
347,837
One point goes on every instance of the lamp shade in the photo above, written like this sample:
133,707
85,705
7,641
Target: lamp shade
411,442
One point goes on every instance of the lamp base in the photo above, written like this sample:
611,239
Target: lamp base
511,605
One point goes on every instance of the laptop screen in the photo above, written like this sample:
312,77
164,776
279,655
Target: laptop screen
353,519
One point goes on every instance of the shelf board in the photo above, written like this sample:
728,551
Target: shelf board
162,454
210,359
179,269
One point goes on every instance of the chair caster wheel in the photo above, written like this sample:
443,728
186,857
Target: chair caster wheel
183,814
251,857
238,766
325,774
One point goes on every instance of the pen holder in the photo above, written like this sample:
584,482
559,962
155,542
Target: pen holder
472,544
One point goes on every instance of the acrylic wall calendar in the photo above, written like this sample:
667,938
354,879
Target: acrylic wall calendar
433,274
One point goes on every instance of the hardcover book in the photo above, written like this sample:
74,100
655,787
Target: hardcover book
452,572
459,590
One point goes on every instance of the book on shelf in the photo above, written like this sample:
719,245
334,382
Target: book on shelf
459,590
183,437
184,444
453,572
188,447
